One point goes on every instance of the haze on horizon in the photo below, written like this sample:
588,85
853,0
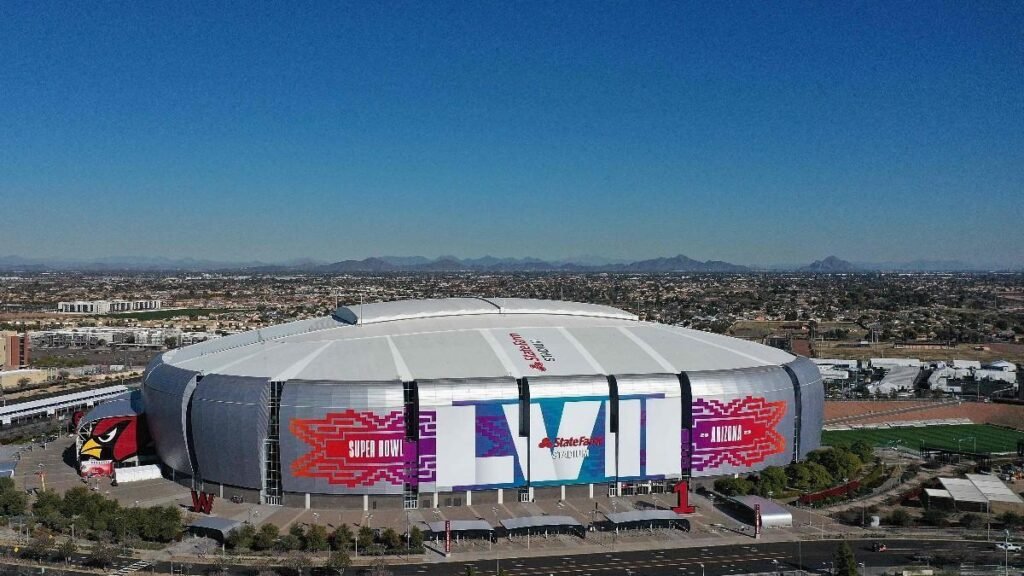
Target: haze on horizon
750,133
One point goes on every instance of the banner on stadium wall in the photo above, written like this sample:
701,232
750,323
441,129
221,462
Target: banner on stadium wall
650,445
471,446
740,432
476,445
568,441
355,448
90,468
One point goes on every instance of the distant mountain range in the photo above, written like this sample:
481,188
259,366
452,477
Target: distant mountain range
383,264
829,265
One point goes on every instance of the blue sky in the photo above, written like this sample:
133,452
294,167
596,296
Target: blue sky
748,132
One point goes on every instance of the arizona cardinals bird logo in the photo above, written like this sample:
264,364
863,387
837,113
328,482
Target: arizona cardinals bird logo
112,439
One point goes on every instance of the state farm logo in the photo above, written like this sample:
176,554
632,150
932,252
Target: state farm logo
569,448
566,442
533,351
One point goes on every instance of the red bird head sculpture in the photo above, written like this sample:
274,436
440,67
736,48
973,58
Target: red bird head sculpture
114,439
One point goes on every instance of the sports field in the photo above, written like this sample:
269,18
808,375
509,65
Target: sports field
988,438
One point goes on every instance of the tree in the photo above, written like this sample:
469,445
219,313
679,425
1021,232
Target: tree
971,520
379,567
1010,519
845,563
799,475
241,537
839,463
101,556
820,477
772,480
341,538
898,517
221,565
734,486
863,450
316,538
265,537
415,538
66,549
39,547
365,537
935,517
297,562
13,502
391,539
23,382
337,562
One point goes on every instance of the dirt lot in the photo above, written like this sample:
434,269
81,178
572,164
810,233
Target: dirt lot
895,411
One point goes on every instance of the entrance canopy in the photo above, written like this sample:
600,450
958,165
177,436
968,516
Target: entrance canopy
543,523
460,526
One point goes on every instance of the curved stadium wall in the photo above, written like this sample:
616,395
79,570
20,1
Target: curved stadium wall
469,400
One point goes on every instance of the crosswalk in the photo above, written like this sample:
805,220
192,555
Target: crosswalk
133,567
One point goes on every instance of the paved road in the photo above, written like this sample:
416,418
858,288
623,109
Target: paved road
719,560
813,556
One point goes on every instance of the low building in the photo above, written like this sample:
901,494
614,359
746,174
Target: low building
107,306
894,363
15,350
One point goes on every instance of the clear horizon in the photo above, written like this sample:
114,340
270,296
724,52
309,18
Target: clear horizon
752,134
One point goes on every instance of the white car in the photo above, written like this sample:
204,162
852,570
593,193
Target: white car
1008,547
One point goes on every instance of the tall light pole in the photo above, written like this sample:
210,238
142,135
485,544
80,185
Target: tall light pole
497,555
1006,553
701,569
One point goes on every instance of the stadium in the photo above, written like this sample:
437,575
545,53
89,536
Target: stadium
466,401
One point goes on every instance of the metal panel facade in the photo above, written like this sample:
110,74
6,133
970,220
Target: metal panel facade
469,435
742,420
650,427
345,438
229,427
812,400
166,393
570,439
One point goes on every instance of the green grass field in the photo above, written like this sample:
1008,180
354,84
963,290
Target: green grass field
989,438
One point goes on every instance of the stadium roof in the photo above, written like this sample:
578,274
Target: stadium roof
416,339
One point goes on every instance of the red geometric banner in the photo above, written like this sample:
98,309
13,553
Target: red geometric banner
354,448
741,432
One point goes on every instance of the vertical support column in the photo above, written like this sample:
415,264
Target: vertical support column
524,424
271,493
798,410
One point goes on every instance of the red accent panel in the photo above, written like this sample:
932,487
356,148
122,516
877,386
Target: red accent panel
354,448
202,502
682,490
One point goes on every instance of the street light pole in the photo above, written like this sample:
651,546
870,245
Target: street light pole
1006,554
497,555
